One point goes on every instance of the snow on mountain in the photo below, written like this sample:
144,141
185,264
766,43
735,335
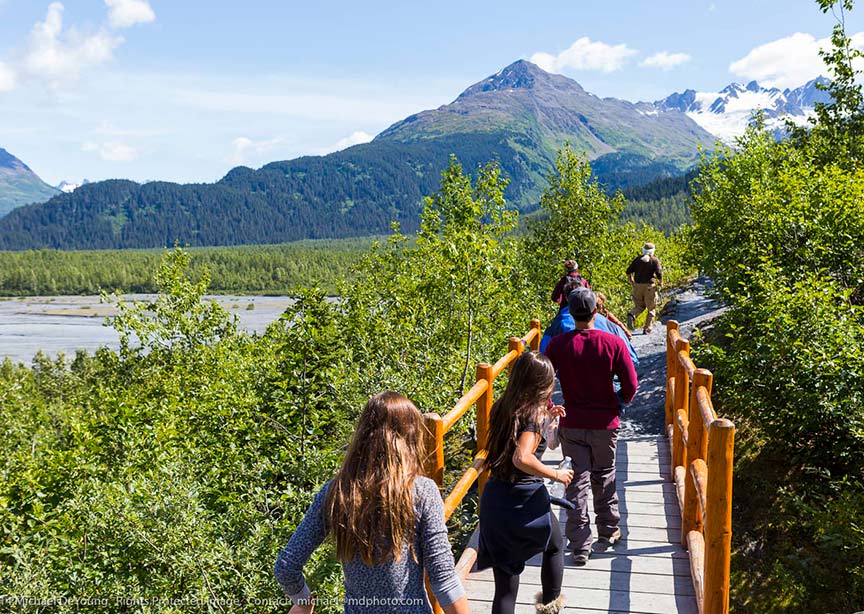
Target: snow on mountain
727,113
68,186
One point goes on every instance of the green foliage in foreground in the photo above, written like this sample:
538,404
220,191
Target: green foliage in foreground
258,269
780,228
175,468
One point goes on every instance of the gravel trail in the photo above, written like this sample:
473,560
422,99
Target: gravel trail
690,307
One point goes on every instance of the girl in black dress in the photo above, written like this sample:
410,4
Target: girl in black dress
516,521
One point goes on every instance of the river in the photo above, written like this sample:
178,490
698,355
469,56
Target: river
56,324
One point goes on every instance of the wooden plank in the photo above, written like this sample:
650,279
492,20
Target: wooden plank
619,578
634,473
594,598
632,549
634,508
655,486
647,572
650,521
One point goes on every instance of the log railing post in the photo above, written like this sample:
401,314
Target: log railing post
670,371
682,402
703,379
436,608
483,409
671,378
434,447
517,344
691,517
535,341
718,522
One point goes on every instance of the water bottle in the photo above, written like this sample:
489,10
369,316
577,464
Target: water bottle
555,488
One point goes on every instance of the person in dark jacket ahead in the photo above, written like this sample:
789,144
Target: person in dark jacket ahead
571,274
642,272
587,360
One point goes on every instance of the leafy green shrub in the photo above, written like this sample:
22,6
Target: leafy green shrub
779,227
579,220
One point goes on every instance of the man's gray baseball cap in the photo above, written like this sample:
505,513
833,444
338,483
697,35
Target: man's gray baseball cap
582,302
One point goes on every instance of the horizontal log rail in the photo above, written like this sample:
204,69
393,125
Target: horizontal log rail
702,449
481,396
464,404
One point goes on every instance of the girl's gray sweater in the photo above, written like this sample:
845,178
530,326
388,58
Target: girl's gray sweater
393,586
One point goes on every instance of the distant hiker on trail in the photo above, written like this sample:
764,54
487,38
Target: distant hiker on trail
642,273
516,521
587,360
386,521
604,311
571,273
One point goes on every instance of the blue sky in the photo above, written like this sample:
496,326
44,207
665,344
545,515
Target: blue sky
184,90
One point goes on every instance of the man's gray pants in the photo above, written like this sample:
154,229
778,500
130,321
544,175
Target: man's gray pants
593,454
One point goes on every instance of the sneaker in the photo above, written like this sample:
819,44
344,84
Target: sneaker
610,539
646,331
631,321
580,557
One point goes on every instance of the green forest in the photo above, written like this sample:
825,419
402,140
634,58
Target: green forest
254,269
281,269
170,472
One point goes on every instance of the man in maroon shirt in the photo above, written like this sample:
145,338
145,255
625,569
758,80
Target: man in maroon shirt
587,360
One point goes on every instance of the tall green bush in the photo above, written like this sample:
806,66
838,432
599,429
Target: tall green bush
578,220
779,226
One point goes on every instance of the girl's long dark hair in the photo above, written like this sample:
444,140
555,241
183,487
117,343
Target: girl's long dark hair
530,385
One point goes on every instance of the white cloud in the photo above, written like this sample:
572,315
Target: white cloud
112,151
126,13
355,138
56,55
244,147
585,54
665,60
787,62
7,78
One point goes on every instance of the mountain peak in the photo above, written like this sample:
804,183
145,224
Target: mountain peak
520,75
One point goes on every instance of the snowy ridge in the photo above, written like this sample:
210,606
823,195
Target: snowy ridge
68,186
727,113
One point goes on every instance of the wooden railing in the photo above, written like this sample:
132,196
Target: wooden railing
481,396
702,450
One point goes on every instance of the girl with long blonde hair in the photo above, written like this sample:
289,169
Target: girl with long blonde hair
386,520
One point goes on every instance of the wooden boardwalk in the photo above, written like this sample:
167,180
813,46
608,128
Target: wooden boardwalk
647,572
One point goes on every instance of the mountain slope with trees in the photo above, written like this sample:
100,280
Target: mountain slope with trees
19,185
518,117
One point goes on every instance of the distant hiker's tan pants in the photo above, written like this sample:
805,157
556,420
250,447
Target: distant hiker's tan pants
645,297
